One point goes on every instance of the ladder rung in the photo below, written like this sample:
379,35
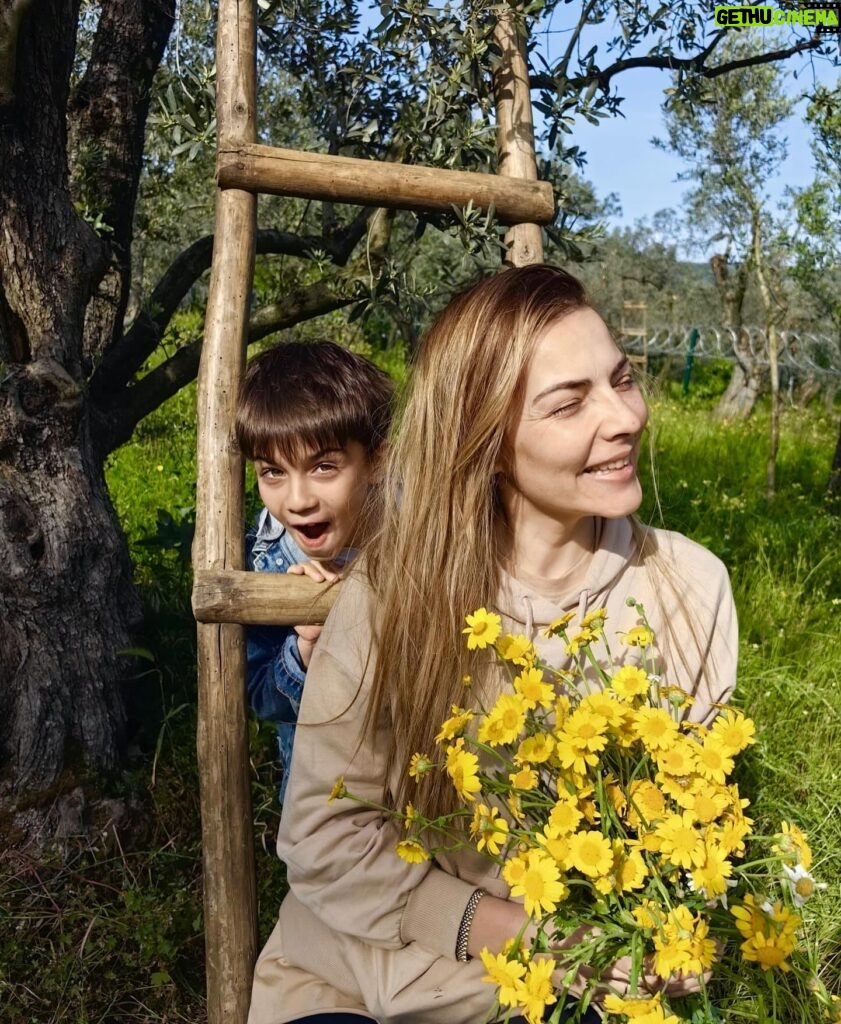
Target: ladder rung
343,179
260,598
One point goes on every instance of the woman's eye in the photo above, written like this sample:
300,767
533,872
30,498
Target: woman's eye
625,381
566,408
271,473
325,467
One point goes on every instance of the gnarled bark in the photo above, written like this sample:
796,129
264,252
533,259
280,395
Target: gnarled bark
67,605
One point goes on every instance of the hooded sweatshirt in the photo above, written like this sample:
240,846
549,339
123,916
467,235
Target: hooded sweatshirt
360,929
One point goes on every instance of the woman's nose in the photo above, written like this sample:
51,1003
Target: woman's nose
626,413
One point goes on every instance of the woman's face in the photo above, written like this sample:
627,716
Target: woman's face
574,449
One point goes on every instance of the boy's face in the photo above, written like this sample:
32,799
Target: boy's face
319,497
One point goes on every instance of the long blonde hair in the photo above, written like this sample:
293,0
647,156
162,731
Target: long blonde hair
435,557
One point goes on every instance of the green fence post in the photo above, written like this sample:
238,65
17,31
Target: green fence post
690,360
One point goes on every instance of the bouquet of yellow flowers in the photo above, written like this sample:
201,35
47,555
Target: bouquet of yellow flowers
615,818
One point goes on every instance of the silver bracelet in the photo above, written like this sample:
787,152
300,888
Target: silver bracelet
464,928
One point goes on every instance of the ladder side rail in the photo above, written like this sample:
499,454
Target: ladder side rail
515,133
229,873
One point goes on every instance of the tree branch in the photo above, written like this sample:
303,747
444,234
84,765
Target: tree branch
694,64
117,424
108,108
126,358
563,65
106,117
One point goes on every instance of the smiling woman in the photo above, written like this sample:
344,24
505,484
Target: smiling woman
572,454
510,489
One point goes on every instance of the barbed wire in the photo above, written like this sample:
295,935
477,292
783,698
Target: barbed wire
801,353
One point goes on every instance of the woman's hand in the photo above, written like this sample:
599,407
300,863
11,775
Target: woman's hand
616,980
496,921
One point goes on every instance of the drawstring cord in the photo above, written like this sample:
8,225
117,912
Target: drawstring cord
529,616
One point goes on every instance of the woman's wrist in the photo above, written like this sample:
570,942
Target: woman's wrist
494,922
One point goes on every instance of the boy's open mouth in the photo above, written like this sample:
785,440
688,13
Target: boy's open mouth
313,531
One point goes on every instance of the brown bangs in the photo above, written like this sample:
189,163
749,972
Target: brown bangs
298,399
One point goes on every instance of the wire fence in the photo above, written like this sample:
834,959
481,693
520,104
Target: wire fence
803,355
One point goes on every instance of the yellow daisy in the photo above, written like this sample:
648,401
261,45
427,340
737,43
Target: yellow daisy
710,877
595,618
632,1007
655,728
565,816
591,853
339,791
504,721
538,991
488,829
525,778
557,626
463,767
483,627
535,749
517,649
603,704
629,869
506,975
707,803
638,636
585,730
420,764
648,803
533,689
539,884
680,841
454,726
411,851
734,730
712,759
793,846
678,758
581,639
630,682
556,845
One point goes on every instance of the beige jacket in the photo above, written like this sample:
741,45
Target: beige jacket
361,930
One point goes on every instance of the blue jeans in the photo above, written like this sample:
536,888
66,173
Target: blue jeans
590,1017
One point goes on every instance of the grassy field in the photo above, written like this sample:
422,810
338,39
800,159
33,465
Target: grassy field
111,930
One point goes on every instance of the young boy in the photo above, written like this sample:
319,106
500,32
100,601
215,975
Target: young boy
312,418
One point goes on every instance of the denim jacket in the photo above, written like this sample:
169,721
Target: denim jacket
274,672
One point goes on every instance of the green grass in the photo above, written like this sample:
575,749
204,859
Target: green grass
111,929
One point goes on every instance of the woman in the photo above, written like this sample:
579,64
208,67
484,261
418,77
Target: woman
511,485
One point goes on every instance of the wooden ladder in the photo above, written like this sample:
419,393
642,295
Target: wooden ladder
224,596
635,328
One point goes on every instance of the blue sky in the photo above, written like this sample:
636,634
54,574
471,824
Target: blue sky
621,159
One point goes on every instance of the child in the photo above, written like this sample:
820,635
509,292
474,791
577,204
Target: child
312,418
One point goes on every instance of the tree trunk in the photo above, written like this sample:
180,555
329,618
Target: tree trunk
745,383
743,389
67,605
